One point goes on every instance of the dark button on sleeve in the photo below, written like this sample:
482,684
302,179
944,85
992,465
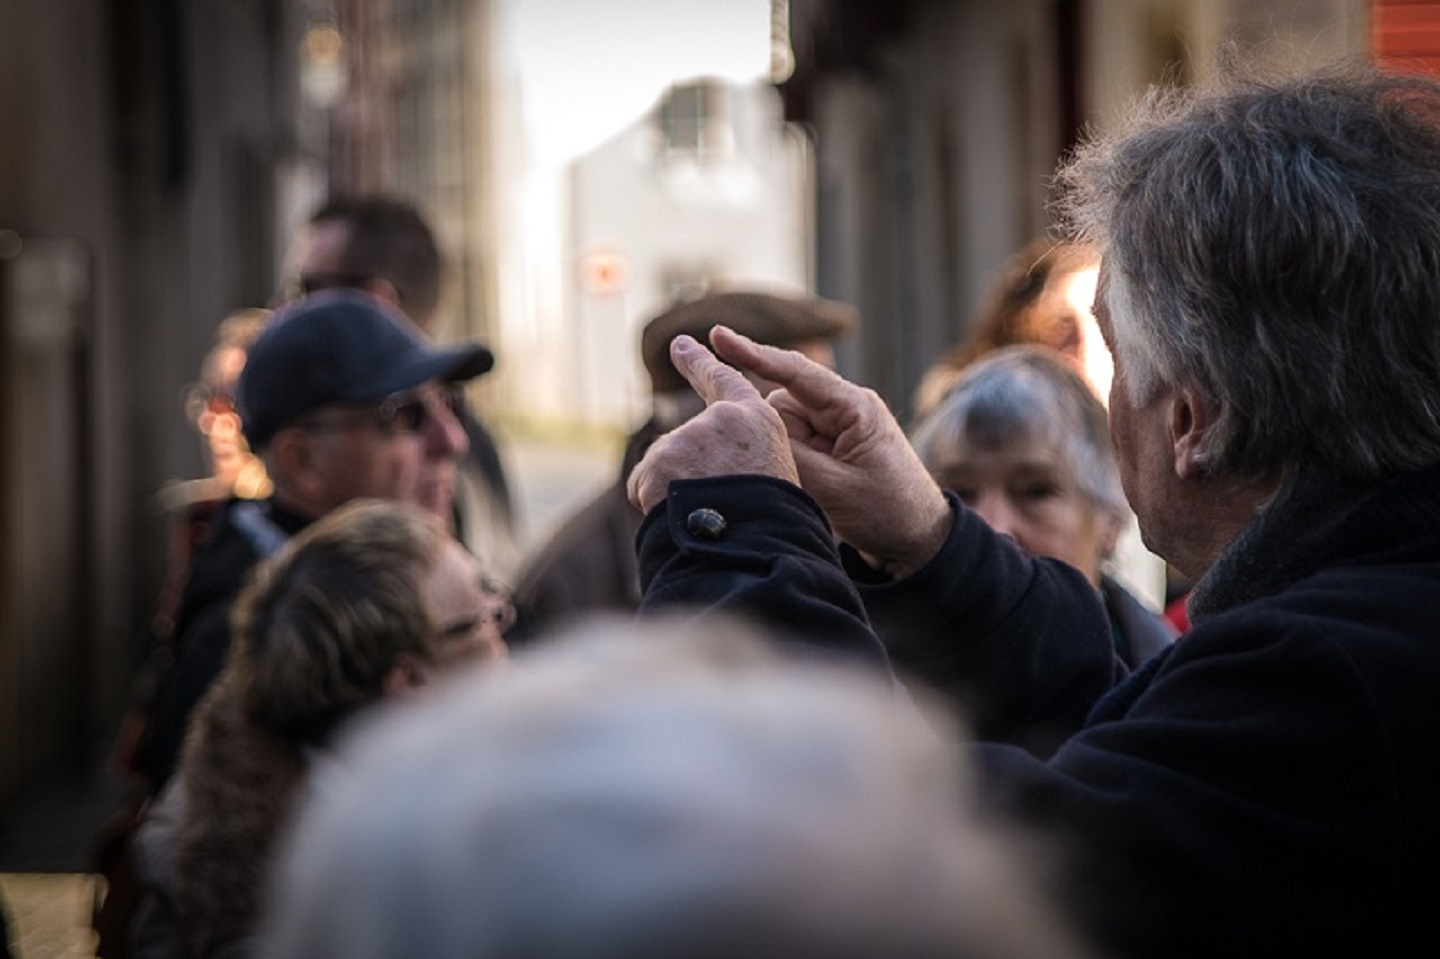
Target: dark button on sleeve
705,524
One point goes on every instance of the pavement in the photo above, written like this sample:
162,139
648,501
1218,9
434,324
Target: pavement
555,477
50,914
46,836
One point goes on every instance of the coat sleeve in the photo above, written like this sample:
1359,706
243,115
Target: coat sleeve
202,654
759,547
156,931
1021,645
1248,775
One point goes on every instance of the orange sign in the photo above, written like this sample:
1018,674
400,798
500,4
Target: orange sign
603,272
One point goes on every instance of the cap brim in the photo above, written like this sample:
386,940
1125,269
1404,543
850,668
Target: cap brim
449,364
472,360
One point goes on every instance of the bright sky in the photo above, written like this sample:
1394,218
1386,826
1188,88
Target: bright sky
587,68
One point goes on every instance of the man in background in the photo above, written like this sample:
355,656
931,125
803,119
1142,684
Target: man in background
343,399
384,246
1268,286
589,563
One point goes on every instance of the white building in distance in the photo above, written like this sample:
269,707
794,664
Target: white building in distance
709,190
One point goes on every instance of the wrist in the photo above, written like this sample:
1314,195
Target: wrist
936,519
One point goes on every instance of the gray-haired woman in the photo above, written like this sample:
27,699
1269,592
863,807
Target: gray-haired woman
1023,441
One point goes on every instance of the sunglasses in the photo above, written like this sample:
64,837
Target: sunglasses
308,283
406,412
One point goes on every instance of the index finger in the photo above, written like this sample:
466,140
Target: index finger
712,379
808,381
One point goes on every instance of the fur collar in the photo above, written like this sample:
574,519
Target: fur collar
242,783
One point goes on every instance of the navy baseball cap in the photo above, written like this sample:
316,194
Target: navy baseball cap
340,346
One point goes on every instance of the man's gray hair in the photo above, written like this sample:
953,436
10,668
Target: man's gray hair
1274,245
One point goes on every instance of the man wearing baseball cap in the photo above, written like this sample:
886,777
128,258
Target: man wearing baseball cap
343,399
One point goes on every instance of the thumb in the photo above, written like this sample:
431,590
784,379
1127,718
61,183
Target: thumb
712,379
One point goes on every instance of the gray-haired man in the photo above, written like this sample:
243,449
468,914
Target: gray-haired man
1269,289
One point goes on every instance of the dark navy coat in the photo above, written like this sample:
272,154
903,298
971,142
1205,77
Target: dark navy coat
1268,786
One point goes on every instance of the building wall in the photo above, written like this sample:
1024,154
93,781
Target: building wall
934,141
1406,34
52,195
417,120
1133,43
160,154
646,221
938,127
137,146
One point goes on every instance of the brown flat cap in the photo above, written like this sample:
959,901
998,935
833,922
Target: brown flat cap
764,317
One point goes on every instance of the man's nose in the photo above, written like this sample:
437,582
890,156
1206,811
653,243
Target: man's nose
444,435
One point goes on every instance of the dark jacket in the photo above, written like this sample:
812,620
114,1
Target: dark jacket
953,626
1265,787
1138,633
774,560
208,843
588,565
245,531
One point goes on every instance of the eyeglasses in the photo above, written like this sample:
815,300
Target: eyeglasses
314,282
499,609
406,412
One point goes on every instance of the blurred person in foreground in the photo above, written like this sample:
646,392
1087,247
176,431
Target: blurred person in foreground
666,789
344,400
1271,269
588,564
384,245
1023,442
375,601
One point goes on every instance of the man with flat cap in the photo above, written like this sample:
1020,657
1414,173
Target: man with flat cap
343,399
589,565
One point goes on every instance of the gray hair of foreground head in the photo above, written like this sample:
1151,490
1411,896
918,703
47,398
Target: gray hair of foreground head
1026,394
1274,245
653,790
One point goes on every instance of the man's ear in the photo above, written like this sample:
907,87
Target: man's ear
295,462
1190,419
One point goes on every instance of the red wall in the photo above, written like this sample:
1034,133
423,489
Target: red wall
1405,34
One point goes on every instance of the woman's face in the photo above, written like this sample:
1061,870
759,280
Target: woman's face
1023,490
1062,319
472,616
